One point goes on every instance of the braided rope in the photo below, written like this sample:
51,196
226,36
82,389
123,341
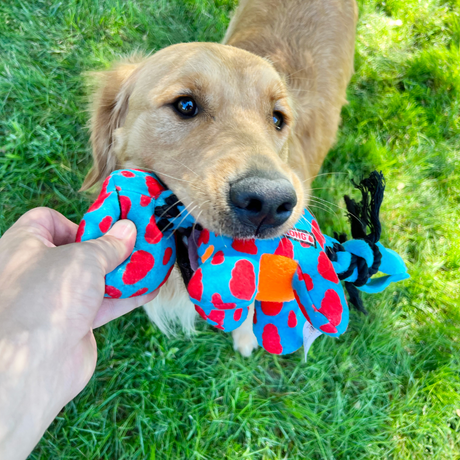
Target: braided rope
362,215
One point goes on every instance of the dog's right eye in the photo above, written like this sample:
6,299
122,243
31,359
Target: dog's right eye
186,107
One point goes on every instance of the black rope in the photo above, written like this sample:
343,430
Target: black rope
363,216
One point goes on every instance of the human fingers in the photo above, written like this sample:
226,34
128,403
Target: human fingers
51,227
114,308
114,247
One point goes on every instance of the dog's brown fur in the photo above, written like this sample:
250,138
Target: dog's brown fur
311,45
294,56
197,158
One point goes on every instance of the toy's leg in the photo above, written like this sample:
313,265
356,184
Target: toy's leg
244,339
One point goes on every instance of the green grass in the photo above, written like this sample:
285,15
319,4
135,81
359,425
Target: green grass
390,388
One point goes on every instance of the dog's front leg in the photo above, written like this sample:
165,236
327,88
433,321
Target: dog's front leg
244,339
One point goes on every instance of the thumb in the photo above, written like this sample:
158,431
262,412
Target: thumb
115,246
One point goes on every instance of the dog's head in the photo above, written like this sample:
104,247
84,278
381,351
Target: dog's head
213,122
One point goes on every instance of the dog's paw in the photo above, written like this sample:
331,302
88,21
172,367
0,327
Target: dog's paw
244,341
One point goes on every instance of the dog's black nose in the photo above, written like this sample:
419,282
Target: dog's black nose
262,203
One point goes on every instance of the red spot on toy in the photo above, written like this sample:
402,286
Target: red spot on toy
326,269
292,319
271,340
125,204
195,285
302,307
285,248
306,278
201,312
167,256
218,258
203,238
113,292
102,196
243,281
166,277
217,301
154,187
328,328
118,188
254,318
218,317
140,264
331,308
308,281
237,314
139,292
105,224
317,232
145,200
152,232
271,308
80,231
245,246
127,174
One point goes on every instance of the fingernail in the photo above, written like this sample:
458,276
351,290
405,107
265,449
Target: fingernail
122,229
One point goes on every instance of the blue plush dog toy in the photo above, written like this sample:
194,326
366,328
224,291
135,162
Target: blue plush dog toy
294,280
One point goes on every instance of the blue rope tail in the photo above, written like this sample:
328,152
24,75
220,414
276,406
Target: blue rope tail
357,260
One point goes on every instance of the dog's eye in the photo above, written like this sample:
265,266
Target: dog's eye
278,120
186,107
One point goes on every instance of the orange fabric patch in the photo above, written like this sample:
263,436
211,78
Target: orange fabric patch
207,254
275,278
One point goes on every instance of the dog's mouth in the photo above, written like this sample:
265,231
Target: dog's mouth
187,252
187,240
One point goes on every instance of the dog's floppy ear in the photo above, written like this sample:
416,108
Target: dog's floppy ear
109,109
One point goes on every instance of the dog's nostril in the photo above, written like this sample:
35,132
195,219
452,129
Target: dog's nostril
254,205
285,207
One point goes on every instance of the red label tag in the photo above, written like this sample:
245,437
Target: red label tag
302,235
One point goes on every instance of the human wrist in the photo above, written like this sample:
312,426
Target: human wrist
31,391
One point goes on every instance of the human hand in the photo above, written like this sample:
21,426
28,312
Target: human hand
52,296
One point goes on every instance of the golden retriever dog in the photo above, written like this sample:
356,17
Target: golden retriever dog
237,130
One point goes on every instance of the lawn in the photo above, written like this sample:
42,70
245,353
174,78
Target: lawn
390,387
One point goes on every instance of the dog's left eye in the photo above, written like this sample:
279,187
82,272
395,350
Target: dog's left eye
186,107
278,120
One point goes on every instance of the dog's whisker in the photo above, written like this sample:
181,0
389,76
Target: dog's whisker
188,213
172,177
180,215
172,206
197,220
324,205
194,227
316,205
190,169
293,73
323,174
323,202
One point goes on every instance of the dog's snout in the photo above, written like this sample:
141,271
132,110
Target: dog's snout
262,203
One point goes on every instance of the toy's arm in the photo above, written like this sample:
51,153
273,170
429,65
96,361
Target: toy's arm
225,282
134,195
102,214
